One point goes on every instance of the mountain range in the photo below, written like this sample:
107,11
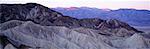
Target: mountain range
131,16
34,26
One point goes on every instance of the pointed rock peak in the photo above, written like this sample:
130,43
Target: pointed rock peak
136,35
113,21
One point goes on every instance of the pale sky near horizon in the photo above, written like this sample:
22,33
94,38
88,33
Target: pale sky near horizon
110,4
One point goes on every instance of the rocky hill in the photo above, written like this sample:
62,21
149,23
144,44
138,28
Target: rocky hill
31,25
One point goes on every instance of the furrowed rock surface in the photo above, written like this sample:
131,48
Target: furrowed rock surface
33,26
31,11
61,37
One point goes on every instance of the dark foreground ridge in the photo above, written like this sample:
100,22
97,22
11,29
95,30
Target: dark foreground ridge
32,25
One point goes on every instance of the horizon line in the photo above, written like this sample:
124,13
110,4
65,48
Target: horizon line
77,6
99,8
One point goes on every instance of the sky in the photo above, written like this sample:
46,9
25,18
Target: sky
102,4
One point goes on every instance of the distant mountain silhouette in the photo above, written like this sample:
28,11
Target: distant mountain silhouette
132,16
